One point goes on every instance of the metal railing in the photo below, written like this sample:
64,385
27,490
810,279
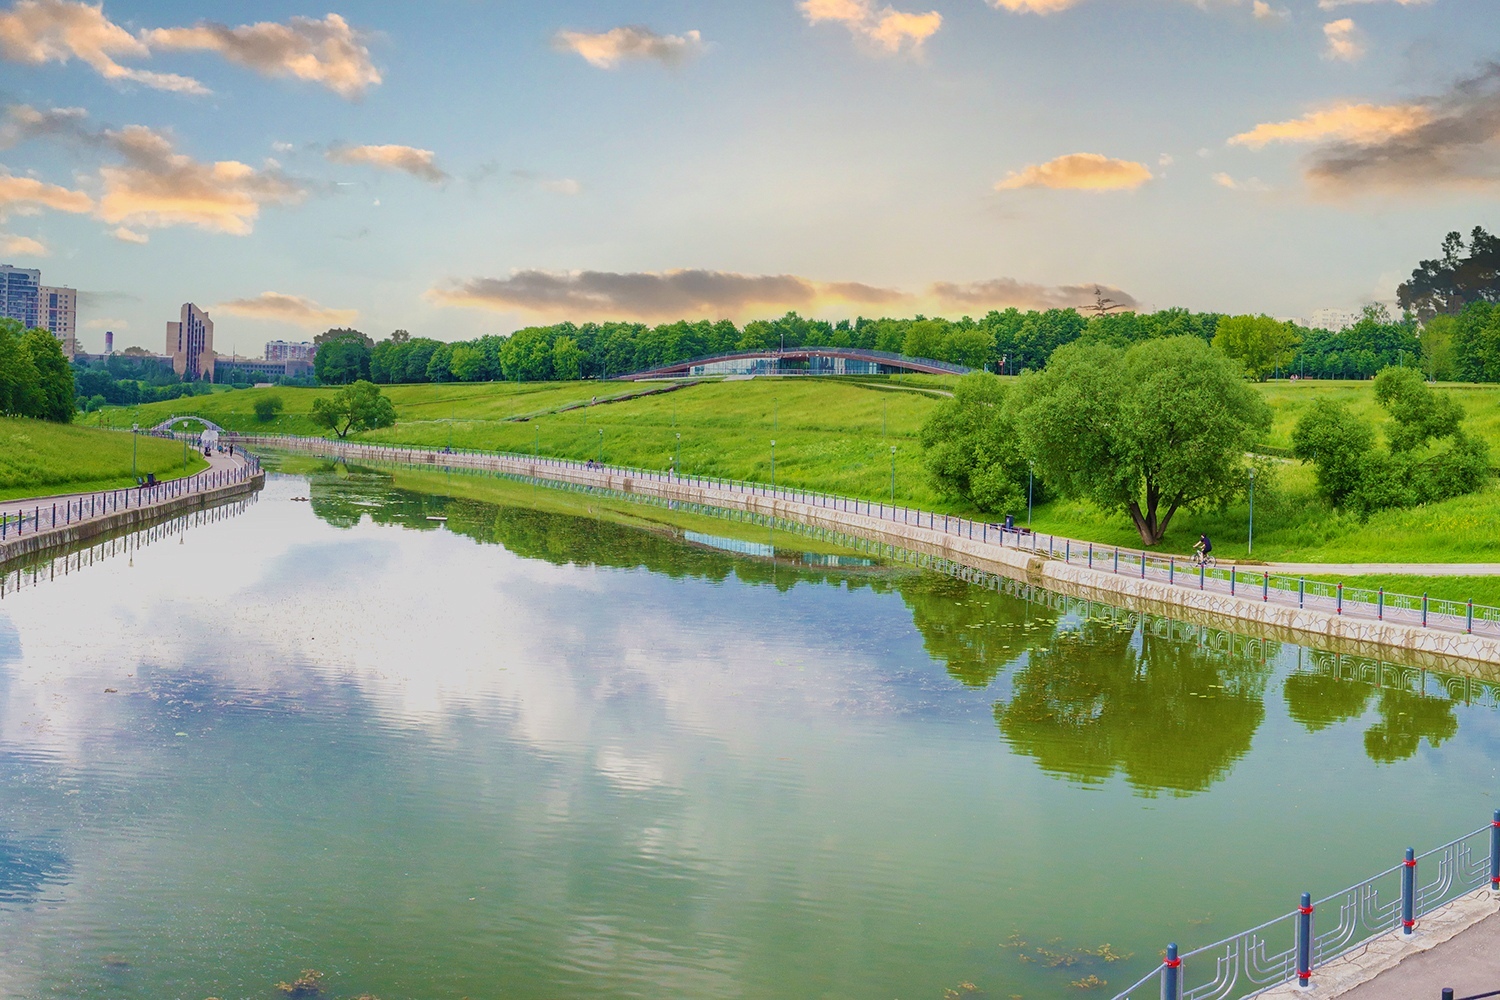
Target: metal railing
1291,947
1294,591
65,511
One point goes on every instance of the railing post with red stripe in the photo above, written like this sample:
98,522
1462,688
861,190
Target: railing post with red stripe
1304,940
1495,854
1171,975
1408,891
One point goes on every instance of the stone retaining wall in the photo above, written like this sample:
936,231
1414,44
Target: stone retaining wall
1037,568
133,517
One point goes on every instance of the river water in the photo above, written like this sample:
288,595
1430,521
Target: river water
539,754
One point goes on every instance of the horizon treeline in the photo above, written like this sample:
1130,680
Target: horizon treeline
1465,346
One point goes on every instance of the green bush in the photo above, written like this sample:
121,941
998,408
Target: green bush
266,408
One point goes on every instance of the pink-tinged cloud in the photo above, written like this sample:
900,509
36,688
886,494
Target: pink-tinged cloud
294,309
1361,123
420,163
22,246
1345,42
327,52
129,236
1007,293
1079,172
608,49
883,28
23,193
42,31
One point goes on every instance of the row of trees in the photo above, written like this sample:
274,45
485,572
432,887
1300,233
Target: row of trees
1006,342
35,377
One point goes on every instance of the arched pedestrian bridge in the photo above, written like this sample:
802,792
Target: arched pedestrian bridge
801,361
166,424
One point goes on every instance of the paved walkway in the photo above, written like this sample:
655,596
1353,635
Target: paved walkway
1469,962
1368,569
216,463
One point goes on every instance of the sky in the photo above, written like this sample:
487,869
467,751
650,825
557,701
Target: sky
459,167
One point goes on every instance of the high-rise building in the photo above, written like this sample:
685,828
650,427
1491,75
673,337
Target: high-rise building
1336,320
190,342
109,341
59,313
281,350
20,294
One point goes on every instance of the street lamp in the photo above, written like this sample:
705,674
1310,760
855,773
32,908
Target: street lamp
774,410
677,462
893,475
600,460
773,462
134,430
1029,478
1250,543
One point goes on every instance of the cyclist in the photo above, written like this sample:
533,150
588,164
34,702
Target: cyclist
1203,550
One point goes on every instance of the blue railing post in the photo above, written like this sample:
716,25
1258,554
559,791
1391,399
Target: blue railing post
1408,891
1171,570
1201,570
1424,610
1301,590
1341,599
1469,623
1171,975
1265,586
1380,604
1495,853
1304,940
1091,555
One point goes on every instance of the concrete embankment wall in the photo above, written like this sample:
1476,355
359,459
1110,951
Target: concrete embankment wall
1294,624
134,517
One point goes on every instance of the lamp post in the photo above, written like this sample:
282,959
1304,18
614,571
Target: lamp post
1029,478
893,475
600,460
677,462
885,407
773,463
184,454
774,409
1250,543
134,431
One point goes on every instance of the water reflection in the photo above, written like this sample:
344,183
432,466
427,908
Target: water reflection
1408,711
27,866
1109,697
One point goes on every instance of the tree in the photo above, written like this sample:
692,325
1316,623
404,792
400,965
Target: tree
266,408
343,333
1148,431
1337,444
355,407
19,379
972,348
1449,283
343,359
1439,352
1260,343
567,359
971,450
54,389
924,338
1476,343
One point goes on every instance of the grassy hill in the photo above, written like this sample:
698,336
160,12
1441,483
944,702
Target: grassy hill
837,434
39,458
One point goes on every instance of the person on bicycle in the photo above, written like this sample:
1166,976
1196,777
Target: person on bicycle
1203,548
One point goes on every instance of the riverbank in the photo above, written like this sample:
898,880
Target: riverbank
979,545
38,457
40,524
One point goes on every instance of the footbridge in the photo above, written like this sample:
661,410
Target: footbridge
166,424
800,361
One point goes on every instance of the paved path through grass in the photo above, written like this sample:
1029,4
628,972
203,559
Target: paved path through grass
216,463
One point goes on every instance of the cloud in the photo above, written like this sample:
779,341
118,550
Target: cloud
886,28
420,163
129,236
1226,181
35,32
1265,12
718,294
22,246
1361,123
1331,4
652,295
327,52
610,48
1081,172
1032,6
294,309
154,186
1004,293
553,185
20,193
1344,41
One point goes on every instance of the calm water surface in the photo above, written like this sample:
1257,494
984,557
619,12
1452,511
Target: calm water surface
538,755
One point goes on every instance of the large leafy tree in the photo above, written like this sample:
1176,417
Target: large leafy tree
971,449
54,388
1260,343
19,380
1452,281
355,407
343,357
1160,427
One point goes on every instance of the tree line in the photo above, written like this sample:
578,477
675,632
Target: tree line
35,377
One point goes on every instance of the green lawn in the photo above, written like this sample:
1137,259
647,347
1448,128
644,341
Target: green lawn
39,458
837,434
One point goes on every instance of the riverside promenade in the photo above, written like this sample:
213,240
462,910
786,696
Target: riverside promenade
1307,611
36,524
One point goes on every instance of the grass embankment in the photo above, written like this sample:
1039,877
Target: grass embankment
40,459
836,435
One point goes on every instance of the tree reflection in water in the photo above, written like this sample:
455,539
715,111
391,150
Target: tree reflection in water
975,633
1110,696
1339,690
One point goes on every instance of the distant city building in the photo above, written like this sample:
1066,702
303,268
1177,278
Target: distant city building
109,342
227,366
1334,319
281,350
190,342
20,294
59,313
